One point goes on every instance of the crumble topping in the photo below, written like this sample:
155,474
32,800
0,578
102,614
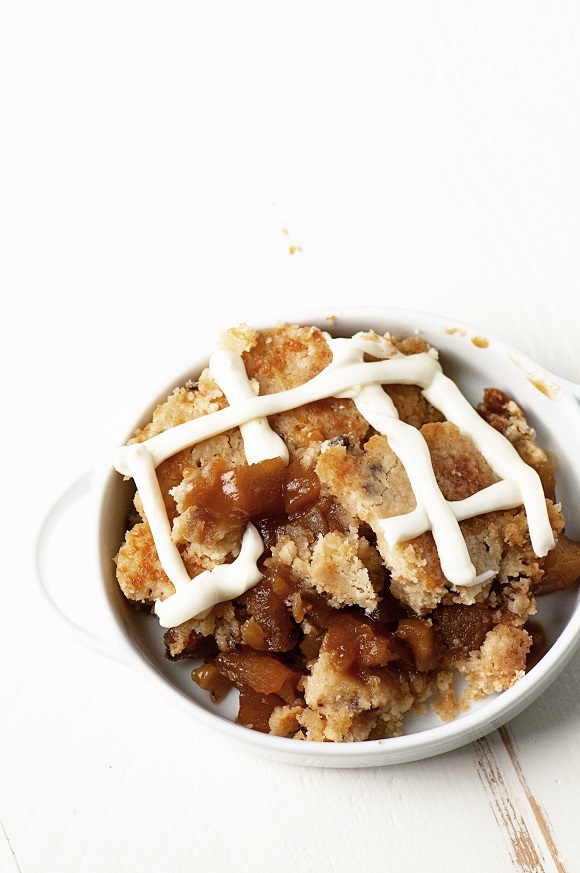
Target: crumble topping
346,632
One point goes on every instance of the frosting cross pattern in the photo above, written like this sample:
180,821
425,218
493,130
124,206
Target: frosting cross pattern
348,375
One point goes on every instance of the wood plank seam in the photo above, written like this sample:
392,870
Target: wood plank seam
539,814
523,823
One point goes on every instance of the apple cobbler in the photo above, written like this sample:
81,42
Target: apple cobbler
343,626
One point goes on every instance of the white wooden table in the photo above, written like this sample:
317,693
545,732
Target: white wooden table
172,168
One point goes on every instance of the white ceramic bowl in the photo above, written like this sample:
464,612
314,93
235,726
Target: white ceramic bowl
474,362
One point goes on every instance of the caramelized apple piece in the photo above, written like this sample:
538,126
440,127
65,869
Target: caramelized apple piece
243,492
256,489
353,644
463,629
389,610
421,637
282,585
263,673
271,528
562,566
316,519
254,636
317,609
270,627
211,679
301,487
297,606
256,709
319,518
312,519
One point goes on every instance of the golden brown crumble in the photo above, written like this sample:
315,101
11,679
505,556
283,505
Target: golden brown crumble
344,635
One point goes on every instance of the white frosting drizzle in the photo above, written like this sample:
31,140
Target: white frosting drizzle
348,375
212,586
143,472
260,441
411,370
500,495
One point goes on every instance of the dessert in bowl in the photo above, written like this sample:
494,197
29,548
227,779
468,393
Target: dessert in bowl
344,541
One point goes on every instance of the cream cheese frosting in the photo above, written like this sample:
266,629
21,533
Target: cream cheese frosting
348,375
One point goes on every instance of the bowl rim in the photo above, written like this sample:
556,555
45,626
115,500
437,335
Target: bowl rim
433,740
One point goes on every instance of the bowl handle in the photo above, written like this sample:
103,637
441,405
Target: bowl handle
101,644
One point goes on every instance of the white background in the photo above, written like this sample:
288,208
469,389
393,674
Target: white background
159,163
